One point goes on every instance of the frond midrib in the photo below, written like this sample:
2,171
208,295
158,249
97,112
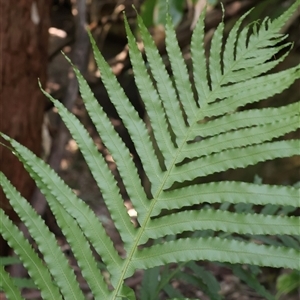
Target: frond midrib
147,217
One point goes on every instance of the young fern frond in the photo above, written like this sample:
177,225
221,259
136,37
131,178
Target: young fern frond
196,130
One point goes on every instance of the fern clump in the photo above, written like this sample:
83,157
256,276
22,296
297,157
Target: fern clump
194,129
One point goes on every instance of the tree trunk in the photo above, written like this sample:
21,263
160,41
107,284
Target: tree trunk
23,59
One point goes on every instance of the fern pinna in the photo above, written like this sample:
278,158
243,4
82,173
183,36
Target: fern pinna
194,129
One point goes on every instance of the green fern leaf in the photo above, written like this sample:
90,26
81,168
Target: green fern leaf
180,73
136,128
252,281
163,82
100,171
227,191
214,249
244,119
55,260
9,287
209,283
220,220
193,129
89,223
151,100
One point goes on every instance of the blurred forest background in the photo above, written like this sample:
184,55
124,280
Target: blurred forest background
33,34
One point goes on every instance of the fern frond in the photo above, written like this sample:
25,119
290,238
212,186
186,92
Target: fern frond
219,221
86,219
199,61
9,287
227,191
236,139
151,100
99,170
232,158
136,128
180,73
244,119
82,252
214,66
214,249
289,241
252,281
193,129
164,84
56,262
209,283
250,91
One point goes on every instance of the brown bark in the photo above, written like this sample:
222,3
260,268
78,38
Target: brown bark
23,59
